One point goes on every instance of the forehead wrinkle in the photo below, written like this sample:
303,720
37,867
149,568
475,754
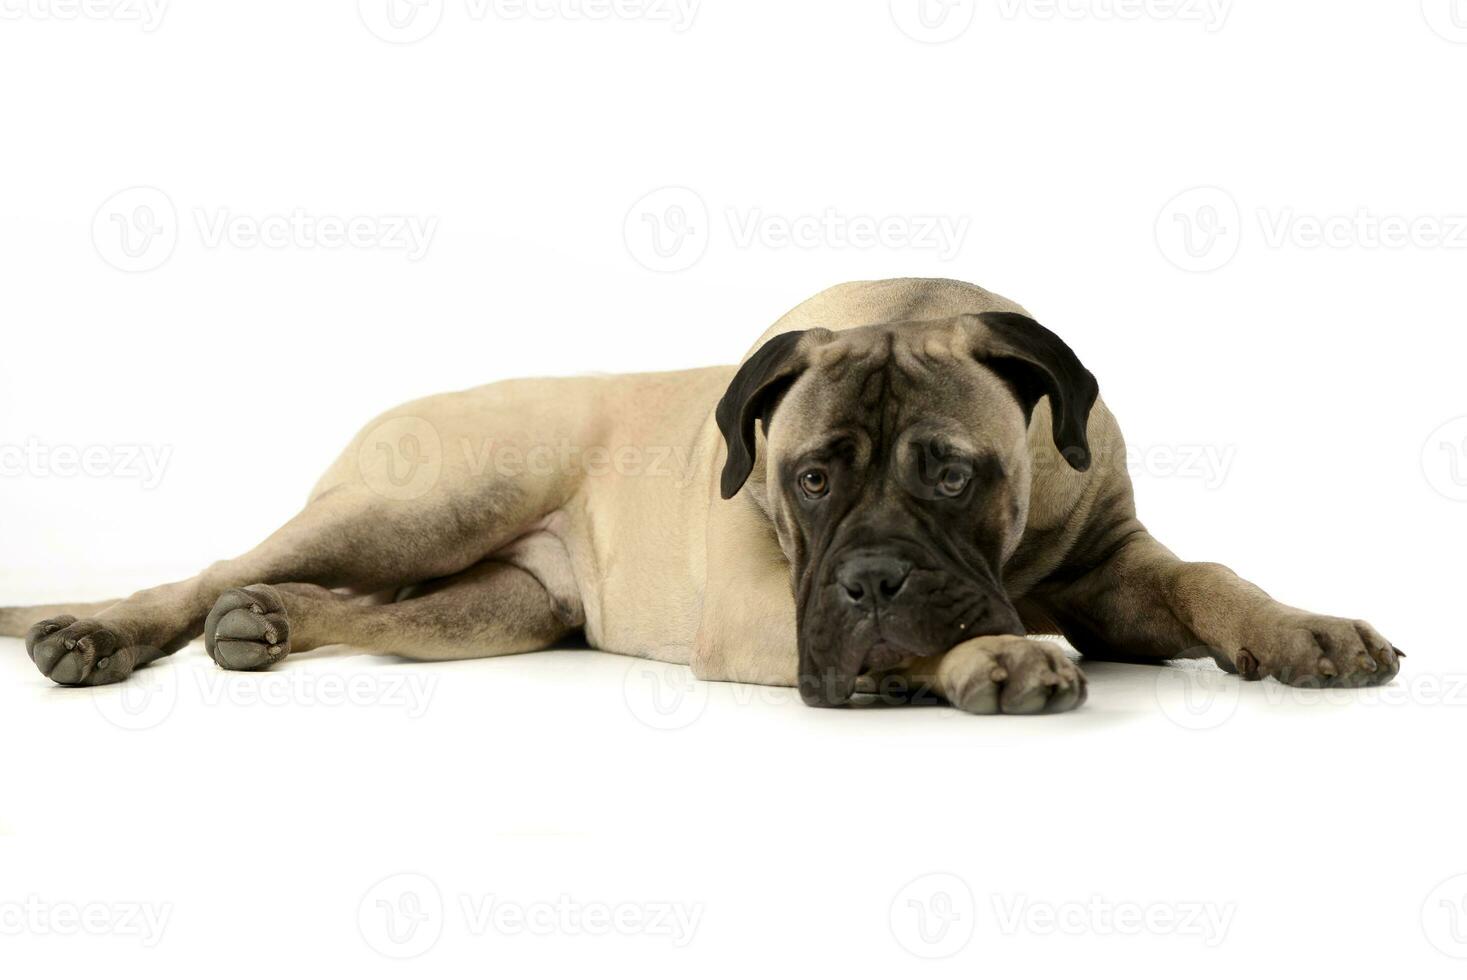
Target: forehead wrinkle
824,445
949,431
957,409
889,389
835,369
930,350
868,386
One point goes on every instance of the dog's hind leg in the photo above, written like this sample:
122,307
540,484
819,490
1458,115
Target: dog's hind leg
347,537
423,492
490,609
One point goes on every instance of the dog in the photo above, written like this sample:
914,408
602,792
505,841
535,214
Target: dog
901,482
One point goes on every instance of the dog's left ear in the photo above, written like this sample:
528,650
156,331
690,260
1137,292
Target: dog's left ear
1035,363
752,395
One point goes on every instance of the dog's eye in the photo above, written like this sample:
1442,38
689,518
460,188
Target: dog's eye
952,481
815,483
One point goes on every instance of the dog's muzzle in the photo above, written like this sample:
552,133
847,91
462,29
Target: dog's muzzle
883,608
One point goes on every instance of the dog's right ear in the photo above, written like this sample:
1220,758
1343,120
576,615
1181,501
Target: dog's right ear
752,395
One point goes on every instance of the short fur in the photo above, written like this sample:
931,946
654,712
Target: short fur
902,480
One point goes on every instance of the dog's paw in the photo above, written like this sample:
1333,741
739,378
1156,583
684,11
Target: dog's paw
1305,650
1010,675
82,652
247,629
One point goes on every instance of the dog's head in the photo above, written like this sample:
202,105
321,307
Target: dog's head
894,466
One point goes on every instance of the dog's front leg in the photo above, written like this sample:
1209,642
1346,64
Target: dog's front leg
1143,604
997,675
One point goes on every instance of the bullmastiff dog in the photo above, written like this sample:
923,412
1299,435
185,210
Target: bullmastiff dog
902,481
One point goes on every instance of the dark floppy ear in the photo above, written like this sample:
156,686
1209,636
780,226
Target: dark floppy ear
1035,363
751,396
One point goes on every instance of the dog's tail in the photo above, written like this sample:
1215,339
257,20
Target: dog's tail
17,620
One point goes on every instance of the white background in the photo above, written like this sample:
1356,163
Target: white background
1286,400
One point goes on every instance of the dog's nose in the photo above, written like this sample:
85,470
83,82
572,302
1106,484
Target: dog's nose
872,578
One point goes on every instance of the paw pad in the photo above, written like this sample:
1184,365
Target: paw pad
247,629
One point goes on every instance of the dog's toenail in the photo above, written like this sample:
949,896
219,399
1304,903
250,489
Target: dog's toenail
1326,668
998,675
